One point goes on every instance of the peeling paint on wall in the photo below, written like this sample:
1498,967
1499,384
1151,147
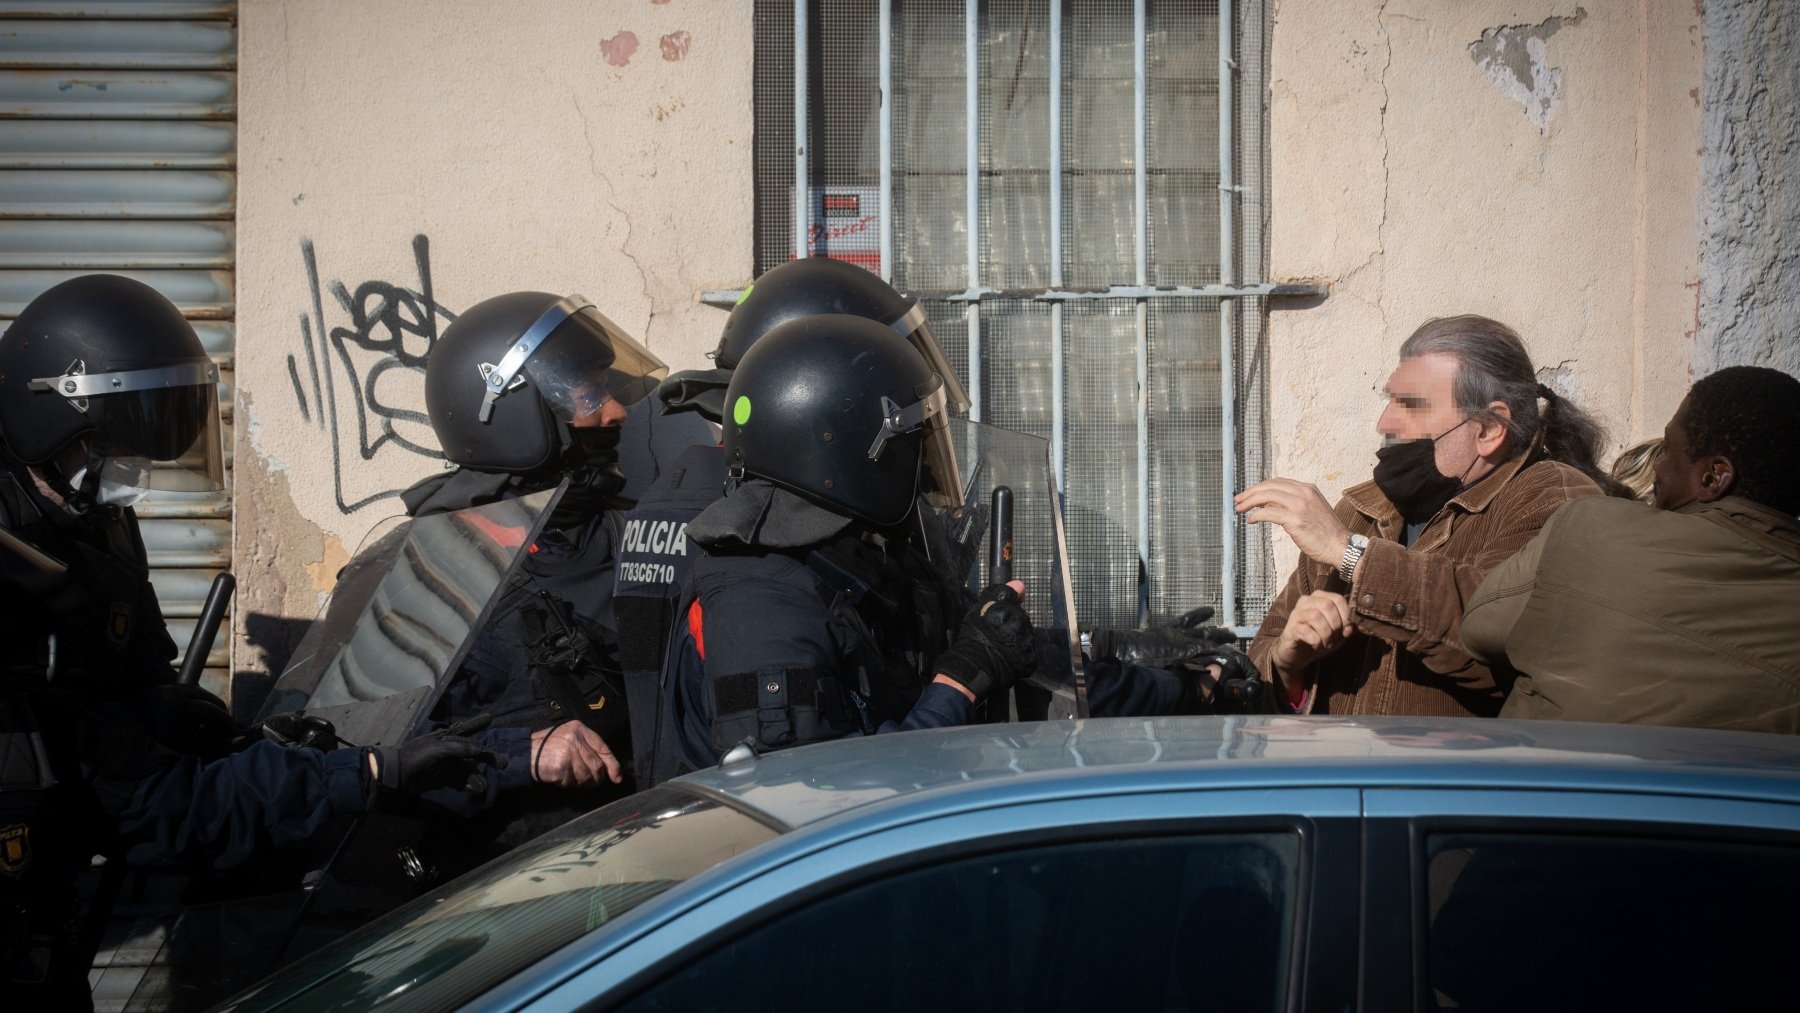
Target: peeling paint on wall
324,572
1516,59
1559,377
619,49
675,46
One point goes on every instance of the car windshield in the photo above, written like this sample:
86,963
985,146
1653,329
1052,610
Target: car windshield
448,946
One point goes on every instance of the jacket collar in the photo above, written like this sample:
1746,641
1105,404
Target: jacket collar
1768,528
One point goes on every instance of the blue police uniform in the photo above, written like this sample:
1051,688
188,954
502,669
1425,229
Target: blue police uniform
794,630
125,761
573,560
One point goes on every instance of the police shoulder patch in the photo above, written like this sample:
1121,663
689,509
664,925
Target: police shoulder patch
15,848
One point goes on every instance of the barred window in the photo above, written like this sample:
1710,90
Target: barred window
1074,192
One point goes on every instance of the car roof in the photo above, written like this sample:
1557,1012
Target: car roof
795,787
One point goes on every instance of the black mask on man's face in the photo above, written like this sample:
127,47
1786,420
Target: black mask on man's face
591,463
1407,474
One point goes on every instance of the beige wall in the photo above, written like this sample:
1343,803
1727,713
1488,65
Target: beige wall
1535,162
534,146
1531,161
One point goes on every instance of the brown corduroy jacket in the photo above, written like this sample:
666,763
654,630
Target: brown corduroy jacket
1407,603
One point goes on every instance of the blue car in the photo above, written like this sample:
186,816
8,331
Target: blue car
1271,863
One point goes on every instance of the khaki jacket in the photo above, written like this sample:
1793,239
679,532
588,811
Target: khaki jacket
1408,603
1621,612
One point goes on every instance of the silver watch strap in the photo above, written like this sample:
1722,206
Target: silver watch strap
1353,554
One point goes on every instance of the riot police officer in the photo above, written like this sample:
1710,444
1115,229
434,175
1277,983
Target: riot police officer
526,391
810,615
655,554
106,394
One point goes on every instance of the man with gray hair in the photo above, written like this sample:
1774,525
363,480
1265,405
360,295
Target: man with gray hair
1470,468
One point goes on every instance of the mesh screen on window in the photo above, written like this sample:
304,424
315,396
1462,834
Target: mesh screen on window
1144,499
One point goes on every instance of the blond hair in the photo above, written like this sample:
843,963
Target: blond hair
1636,468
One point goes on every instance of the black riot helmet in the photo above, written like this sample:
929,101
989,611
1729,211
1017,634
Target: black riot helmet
109,365
508,375
842,411
802,288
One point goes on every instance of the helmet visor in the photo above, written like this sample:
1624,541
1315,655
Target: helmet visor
913,326
941,483
940,479
166,440
588,360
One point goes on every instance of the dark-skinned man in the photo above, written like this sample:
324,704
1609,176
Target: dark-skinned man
1679,614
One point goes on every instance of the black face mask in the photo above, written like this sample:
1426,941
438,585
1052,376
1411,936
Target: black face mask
1407,474
591,463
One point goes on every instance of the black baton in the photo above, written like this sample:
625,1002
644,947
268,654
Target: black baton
206,628
1000,536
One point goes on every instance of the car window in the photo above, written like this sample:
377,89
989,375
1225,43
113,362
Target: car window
446,947
1546,922
1164,924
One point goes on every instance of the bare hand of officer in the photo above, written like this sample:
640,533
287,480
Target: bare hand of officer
572,755
1302,512
437,760
995,646
1320,623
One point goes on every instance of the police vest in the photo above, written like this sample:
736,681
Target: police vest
109,640
654,557
890,614
576,573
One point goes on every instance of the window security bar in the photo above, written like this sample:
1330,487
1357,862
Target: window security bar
1057,295
725,298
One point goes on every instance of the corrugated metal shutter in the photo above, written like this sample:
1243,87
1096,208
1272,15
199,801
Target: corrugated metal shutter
118,154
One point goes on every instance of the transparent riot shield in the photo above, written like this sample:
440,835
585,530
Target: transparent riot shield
959,537
402,617
400,620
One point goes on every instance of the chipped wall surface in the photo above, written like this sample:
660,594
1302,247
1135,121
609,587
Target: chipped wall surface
1750,188
1534,162
401,161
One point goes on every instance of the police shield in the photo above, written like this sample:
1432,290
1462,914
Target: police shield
967,541
402,617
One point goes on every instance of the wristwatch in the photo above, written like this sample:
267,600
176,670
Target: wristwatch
1353,554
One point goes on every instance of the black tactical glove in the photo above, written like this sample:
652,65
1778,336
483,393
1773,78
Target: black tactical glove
187,720
995,647
300,730
1237,689
442,759
1158,646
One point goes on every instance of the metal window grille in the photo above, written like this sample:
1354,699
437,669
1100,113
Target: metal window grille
1073,189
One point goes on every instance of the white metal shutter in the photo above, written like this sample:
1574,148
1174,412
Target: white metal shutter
118,154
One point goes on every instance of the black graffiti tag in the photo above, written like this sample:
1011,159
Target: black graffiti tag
391,327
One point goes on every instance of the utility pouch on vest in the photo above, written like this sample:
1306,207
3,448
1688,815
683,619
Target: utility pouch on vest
780,707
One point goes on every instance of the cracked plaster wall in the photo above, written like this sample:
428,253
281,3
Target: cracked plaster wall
592,147
1534,162
1750,191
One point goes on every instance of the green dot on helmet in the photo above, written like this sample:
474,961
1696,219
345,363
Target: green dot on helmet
740,410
